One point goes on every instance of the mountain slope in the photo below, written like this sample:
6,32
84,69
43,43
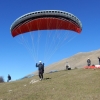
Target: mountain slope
78,60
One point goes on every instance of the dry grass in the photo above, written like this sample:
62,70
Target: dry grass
76,84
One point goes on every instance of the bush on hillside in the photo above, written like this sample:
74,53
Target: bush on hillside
75,68
1,79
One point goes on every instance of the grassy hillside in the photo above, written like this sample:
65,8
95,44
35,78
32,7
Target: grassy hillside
76,84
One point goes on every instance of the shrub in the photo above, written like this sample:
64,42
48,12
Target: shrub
75,68
1,79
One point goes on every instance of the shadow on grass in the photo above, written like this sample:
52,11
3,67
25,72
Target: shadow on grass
47,78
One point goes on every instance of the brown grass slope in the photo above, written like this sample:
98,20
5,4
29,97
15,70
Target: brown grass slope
77,60
76,84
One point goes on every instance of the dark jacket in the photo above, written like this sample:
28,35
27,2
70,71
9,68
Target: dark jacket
99,58
89,61
9,77
40,67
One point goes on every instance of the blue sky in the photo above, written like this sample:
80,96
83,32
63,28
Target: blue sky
14,57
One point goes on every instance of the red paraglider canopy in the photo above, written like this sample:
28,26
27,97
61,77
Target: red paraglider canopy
46,20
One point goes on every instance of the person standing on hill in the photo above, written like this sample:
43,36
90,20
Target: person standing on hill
88,62
40,66
99,60
67,66
9,78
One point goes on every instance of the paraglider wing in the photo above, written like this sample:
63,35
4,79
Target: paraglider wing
46,20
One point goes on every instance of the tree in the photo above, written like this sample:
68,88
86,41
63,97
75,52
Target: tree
1,79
